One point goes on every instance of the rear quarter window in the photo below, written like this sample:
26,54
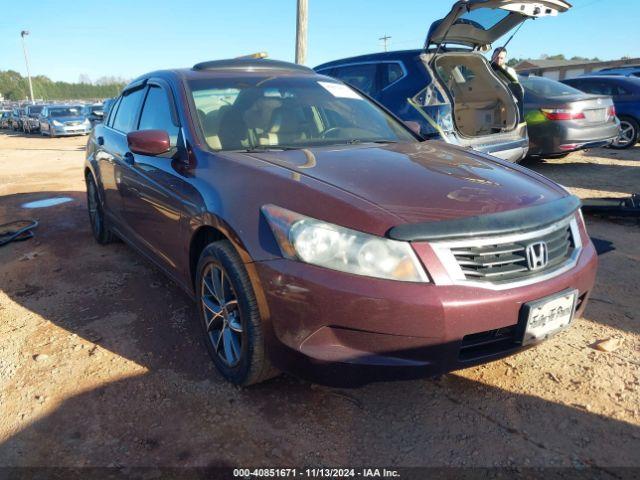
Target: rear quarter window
390,73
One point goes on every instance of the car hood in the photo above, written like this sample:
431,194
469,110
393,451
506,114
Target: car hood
418,182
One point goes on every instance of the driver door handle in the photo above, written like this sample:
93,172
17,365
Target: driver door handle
128,158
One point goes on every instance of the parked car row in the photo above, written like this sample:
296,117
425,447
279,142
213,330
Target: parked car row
53,119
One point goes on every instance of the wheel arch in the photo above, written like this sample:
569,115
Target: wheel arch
215,230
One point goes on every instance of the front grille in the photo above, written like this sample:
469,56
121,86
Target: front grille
72,124
503,262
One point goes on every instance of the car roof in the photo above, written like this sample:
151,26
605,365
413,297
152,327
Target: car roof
372,57
620,69
236,67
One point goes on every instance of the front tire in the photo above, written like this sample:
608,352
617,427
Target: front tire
629,132
100,231
229,316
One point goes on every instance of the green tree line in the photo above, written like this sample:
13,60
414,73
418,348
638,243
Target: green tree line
14,86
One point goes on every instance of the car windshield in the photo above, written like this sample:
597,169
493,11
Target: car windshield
284,112
544,87
65,112
35,109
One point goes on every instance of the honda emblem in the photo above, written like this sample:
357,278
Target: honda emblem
537,255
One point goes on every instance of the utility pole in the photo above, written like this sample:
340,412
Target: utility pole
301,32
23,34
385,39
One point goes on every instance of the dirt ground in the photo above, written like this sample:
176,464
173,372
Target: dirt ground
101,362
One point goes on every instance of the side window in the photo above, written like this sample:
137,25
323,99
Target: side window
390,73
156,114
127,111
112,111
595,88
619,90
362,76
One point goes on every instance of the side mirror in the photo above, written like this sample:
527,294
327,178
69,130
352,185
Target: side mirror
413,126
149,142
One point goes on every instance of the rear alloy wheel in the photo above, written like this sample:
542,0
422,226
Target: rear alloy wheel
229,316
629,132
96,215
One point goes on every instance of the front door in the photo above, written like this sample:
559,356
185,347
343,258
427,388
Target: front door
156,193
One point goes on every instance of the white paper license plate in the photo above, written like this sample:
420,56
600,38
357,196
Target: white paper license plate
548,316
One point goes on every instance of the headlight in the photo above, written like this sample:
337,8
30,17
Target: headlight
87,122
320,243
56,123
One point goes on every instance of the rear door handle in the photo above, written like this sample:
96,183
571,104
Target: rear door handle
128,158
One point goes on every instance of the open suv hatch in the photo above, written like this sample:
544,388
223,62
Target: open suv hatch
449,87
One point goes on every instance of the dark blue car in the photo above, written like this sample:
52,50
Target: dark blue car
625,92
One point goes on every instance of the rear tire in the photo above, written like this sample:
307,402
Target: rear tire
100,231
231,325
629,132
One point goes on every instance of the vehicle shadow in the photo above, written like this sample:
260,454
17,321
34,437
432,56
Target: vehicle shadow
148,394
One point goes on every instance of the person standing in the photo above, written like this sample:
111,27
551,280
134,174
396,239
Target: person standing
499,62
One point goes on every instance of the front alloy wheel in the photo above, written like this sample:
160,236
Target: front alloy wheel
219,305
229,316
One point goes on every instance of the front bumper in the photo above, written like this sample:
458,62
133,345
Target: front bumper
339,328
71,130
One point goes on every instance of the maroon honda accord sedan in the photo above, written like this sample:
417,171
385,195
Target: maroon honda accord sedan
320,236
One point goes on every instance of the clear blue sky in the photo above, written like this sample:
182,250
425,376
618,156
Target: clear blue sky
128,38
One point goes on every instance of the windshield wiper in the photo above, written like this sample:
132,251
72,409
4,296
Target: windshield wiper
356,141
266,148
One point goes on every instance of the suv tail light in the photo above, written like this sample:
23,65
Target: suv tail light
562,114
